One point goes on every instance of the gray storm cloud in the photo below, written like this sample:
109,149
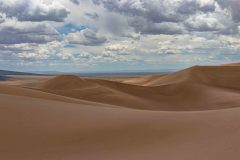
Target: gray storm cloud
36,11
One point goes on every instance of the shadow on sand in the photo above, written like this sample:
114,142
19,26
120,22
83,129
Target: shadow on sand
3,78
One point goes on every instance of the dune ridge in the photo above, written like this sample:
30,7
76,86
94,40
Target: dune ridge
222,76
64,82
195,88
38,94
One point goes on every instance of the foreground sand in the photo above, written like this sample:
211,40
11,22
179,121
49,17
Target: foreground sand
36,129
40,124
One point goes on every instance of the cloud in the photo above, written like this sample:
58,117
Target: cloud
30,51
38,51
14,32
36,11
123,48
233,29
233,6
158,11
75,2
92,15
134,7
160,28
203,23
155,11
162,16
192,6
99,32
116,47
2,18
86,37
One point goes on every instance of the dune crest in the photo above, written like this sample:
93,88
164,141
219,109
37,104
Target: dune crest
65,82
206,75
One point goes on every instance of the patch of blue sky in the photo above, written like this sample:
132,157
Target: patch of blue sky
70,46
70,28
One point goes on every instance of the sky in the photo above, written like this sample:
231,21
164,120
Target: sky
117,35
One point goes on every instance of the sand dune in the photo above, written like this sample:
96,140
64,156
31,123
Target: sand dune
222,76
143,80
25,92
51,120
66,82
195,88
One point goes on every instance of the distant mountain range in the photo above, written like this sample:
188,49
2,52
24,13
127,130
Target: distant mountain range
8,73
84,74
